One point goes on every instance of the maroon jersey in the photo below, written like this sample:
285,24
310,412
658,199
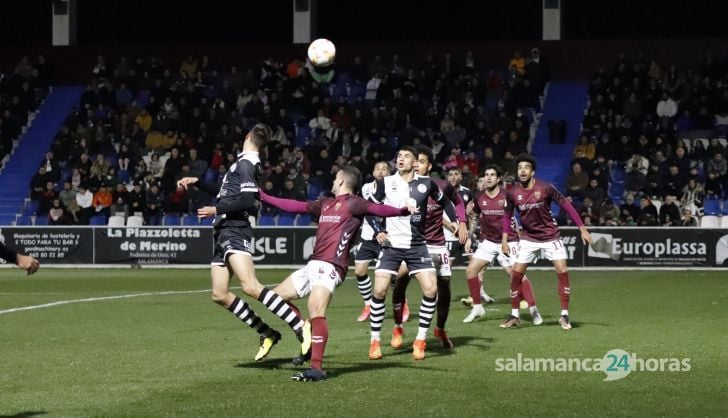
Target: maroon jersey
433,222
491,210
339,219
534,208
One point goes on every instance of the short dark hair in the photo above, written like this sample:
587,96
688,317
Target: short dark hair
455,168
352,177
421,149
498,170
261,134
526,158
409,149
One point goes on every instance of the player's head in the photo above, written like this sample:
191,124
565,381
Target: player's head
347,180
525,168
423,164
381,170
492,177
481,183
406,157
454,176
259,136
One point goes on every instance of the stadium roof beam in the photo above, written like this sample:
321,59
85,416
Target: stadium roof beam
64,22
552,20
304,21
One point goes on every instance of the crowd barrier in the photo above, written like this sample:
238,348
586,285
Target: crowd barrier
612,247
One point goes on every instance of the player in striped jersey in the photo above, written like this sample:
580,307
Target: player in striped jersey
233,245
339,219
405,242
489,205
436,247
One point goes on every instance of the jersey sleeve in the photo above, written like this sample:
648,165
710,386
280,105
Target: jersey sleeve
447,206
378,191
358,206
314,207
249,175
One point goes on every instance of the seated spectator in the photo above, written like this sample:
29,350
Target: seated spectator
666,107
589,211
120,199
320,122
713,186
692,195
595,193
99,167
137,199
198,167
53,169
687,218
155,166
102,201
609,214
718,164
46,198
648,213
577,181
85,200
669,212
56,214
673,182
637,162
629,209
585,148
38,183
154,205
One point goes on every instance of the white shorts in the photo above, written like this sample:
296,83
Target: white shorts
315,273
441,259
550,250
490,251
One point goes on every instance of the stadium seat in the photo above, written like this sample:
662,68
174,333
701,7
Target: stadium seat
171,219
207,221
95,220
41,220
210,176
134,221
303,220
31,207
190,220
266,221
711,207
709,221
24,220
116,221
286,219
555,209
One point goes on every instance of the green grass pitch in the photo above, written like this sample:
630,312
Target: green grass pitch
178,354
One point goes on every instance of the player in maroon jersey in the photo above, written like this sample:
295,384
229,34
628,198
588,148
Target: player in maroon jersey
489,206
540,234
339,219
437,249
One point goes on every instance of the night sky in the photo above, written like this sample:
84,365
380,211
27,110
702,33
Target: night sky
133,22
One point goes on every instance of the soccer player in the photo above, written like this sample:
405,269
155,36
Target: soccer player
369,248
484,297
233,245
25,262
540,234
339,219
489,205
405,242
435,240
454,246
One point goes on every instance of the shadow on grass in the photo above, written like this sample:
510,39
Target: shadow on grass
368,366
24,414
274,363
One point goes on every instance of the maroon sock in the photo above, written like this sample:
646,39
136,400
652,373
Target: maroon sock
474,288
398,297
516,279
319,337
564,289
527,292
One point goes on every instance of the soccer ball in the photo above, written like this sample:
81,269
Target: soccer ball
523,305
321,52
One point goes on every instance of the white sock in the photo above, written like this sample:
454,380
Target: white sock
421,333
514,312
533,309
375,336
564,312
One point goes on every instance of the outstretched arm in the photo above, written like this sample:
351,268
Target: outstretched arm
292,206
386,211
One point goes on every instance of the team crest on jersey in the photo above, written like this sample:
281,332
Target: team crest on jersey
337,206
537,194
421,188
466,198
484,202
502,203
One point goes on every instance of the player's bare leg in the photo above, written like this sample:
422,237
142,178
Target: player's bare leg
564,289
287,291
364,284
428,283
475,266
376,317
237,306
318,301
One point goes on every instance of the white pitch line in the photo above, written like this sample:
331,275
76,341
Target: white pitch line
67,302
